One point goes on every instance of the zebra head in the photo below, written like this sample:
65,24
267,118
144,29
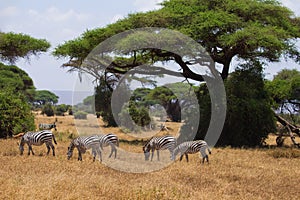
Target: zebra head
146,149
21,145
70,150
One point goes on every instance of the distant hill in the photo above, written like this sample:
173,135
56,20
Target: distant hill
69,97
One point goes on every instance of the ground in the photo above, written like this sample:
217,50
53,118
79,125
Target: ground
266,173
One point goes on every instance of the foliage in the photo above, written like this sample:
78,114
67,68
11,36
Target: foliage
249,115
80,115
48,109
285,92
103,94
250,30
16,80
43,97
17,45
139,115
15,114
250,118
61,109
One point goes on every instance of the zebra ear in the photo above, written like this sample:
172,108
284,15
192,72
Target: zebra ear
18,144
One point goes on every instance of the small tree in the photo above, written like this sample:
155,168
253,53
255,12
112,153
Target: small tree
48,110
249,117
61,109
15,114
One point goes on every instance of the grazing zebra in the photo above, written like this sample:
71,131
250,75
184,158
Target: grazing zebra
159,143
191,147
37,138
82,144
109,139
47,126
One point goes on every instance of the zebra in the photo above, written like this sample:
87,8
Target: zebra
109,139
37,138
83,143
191,147
159,143
47,126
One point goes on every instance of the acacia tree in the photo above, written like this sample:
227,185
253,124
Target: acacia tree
249,29
18,45
43,97
252,31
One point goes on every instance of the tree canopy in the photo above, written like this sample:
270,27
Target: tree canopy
17,45
43,97
258,30
16,80
285,92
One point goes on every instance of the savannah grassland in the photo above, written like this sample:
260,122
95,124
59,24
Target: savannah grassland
268,173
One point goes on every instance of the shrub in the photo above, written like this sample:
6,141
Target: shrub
15,114
80,115
48,110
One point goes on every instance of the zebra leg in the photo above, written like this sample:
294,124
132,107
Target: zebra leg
207,159
157,155
48,149
100,154
79,155
113,149
152,153
187,157
94,153
30,149
181,156
53,149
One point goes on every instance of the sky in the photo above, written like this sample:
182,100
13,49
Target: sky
58,21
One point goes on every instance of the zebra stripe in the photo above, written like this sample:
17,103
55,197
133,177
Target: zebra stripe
109,140
159,143
37,139
191,147
84,143
47,126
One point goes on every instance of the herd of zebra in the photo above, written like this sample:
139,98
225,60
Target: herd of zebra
97,142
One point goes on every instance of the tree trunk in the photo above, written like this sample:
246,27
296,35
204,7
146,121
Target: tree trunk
291,128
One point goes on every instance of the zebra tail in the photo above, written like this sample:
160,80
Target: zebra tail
209,151
54,139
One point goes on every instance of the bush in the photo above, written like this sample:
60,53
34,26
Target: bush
48,110
61,109
249,117
80,115
15,114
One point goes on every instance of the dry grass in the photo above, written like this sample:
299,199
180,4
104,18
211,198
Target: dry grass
231,174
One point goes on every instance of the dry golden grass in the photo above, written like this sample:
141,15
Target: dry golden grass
231,174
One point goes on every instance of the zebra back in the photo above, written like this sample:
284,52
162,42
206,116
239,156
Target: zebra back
191,147
44,126
37,138
160,143
108,139
40,137
82,144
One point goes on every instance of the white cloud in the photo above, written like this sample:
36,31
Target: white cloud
10,11
146,5
55,15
